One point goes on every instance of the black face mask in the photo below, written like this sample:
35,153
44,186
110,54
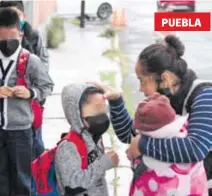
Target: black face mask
165,91
176,100
98,125
8,47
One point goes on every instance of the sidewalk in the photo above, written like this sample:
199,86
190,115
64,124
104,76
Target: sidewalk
79,59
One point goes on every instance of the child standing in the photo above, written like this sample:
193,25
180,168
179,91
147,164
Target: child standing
86,112
22,80
32,41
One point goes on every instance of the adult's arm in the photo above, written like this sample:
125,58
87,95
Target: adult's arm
193,148
121,120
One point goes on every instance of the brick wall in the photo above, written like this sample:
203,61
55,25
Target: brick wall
42,10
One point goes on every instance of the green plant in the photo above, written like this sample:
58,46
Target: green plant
128,99
117,54
108,33
59,22
123,60
109,77
115,181
111,54
75,21
55,32
111,32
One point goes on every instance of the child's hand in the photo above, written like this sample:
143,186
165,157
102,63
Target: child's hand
133,151
114,157
6,92
21,92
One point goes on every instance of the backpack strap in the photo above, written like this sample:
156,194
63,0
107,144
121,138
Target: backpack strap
21,67
195,92
78,140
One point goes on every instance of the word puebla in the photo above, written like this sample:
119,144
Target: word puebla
177,21
181,22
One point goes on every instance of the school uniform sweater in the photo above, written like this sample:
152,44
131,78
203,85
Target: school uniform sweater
16,113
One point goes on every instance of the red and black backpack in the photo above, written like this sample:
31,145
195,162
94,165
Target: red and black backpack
21,81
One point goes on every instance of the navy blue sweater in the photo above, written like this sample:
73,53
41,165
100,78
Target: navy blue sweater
193,148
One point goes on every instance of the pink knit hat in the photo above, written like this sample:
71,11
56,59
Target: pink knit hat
153,113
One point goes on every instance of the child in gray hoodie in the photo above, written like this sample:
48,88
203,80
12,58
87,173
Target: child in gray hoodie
85,110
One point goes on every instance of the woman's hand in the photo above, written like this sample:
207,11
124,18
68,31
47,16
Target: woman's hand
133,151
110,93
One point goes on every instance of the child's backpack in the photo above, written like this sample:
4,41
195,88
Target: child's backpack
43,169
21,81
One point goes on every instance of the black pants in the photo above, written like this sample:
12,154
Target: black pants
38,145
208,168
15,162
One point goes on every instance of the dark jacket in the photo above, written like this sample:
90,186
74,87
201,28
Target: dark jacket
32,41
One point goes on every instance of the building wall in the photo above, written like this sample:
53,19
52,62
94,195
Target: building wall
38,14
28,9
42,10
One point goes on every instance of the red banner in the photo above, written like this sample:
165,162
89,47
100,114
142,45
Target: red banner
182,21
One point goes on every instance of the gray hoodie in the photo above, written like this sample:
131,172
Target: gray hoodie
67,160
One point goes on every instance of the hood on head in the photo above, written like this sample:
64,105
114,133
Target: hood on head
71,95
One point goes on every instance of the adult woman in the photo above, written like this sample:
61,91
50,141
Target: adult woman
160,68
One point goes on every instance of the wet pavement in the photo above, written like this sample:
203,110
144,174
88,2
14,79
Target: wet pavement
139,34
78,59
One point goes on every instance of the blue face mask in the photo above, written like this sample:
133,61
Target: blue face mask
22,23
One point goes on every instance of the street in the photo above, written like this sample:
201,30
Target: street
140,34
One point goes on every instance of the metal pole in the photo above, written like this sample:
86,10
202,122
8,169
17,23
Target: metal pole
82,15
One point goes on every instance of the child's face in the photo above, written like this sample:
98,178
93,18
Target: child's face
96,105
9,33
95,117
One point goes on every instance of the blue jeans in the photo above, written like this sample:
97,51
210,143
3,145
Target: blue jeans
38,144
